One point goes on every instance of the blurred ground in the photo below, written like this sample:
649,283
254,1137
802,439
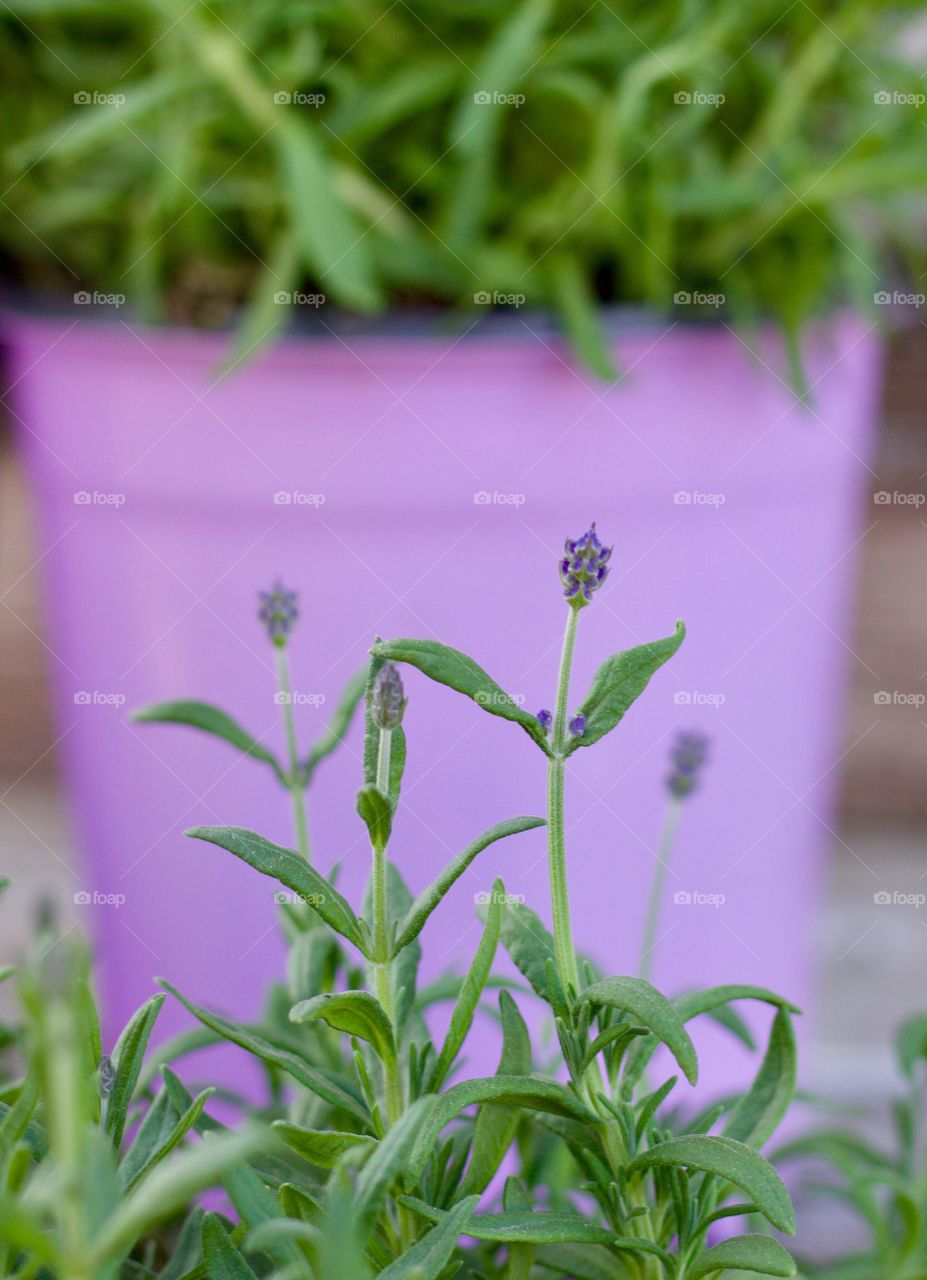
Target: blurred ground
871,965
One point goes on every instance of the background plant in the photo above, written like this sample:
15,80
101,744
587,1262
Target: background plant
422,154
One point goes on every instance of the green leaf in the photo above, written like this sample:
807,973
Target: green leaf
743,1253
162,1130
523,1228
618,682
580,313
472,989
911,1043
495,1125
387,1162
530,946
265,315
338,726
429,898
127,1064
209,719
294,1065
757,1113
291,870
404,969
356,1013
731,1160
333,245
515,1091
169,1188
454,669
376,812
427,1259
647,1006
321,1147
223,1259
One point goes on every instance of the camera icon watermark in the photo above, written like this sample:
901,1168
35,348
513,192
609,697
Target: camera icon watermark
495,498
94,98
296,98
897,698
484,98
98,698
695,698
494,298
297,498
84,298
895,98
696,898
898,298
898,898
296,899
696,498
286,298
696,98
698,298
492,896
86,898
84,498
884,498
299,698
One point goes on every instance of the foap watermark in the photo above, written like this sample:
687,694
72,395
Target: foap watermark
896,98
84,298
284,298
697,898
496,498
95,898
96,98
296,98
499,698
695,698
98,698
486,98
698,98
492,896
897,698
295,899
883,498
698,298
898,898
299,698
898,298
296,498
86,498
494,298
696,498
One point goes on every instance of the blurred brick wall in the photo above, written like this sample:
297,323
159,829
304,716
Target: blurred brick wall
885,771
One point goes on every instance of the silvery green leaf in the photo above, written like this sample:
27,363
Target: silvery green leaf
356,1013
646,1005
743,1253
127,1059
212,720
757,1113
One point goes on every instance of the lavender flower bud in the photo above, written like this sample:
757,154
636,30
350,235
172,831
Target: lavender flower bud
278,612
107,1075
584,567
577,726
389,701
687,760
545,720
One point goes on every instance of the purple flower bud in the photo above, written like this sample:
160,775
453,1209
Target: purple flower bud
584,567
545,720
577,726
278,612
687,760
107,1075
389,700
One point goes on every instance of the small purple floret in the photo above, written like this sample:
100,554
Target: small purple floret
545,720
584,567
687,759
578,726
278,611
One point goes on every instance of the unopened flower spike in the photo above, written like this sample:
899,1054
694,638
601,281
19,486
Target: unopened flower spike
278,612
687,759
584,567
545,720
389,699
578,725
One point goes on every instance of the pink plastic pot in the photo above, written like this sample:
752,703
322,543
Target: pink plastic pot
422,485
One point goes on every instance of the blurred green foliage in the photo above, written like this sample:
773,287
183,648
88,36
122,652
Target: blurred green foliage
200,157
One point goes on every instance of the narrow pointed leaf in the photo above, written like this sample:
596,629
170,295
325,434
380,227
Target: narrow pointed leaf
321,1147
427,1259
356,1013
496,1124
387,1162
619,681
454,669
222,1258
376,812
530,946
294,1065
757,1113
743,1253
208,719
429,898
289,869
646,1005
731,1160
523,1228
127,1058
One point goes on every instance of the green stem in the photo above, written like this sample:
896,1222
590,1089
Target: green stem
382,966
294,785
556,846
664,850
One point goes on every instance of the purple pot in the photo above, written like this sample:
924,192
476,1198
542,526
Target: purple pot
421,485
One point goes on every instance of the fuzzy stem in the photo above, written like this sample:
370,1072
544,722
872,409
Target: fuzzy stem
382,966
664,850
295,787
556,848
